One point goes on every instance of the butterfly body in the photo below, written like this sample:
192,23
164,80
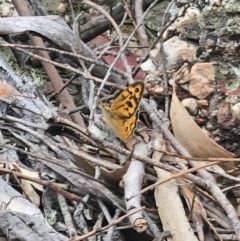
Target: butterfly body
122,114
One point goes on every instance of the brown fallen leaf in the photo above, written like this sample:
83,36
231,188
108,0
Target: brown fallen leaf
27,186
115,176
190,135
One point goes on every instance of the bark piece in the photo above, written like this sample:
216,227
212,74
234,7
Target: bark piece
22,220
18,226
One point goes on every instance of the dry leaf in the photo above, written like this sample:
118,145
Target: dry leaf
189,134
27,185
114,176
29,174
30,193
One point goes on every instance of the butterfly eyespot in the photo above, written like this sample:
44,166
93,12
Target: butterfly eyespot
137,90
126,129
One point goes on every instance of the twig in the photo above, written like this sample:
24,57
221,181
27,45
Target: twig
100,55
68,67
66,215
58,92
210,159
141,30
230,188
50,185
56,81
173,176
126,43
93,160
162,57
12,119
115,222
78,215
121,46
225,222
110,233
133,182
78,56
56,161
143,59
152,226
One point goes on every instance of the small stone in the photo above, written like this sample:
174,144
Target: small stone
191,105
224,117
170,81
202,103
203,113
148,66
214,113
62,7
153,88
232,99
217,139
188,25
200,121
159,90
209,126
202,80
217,3
236,111
183,50
152,78
8,10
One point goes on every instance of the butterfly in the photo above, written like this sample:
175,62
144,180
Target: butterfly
122,115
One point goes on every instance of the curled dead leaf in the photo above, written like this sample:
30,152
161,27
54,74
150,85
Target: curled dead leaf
190,135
